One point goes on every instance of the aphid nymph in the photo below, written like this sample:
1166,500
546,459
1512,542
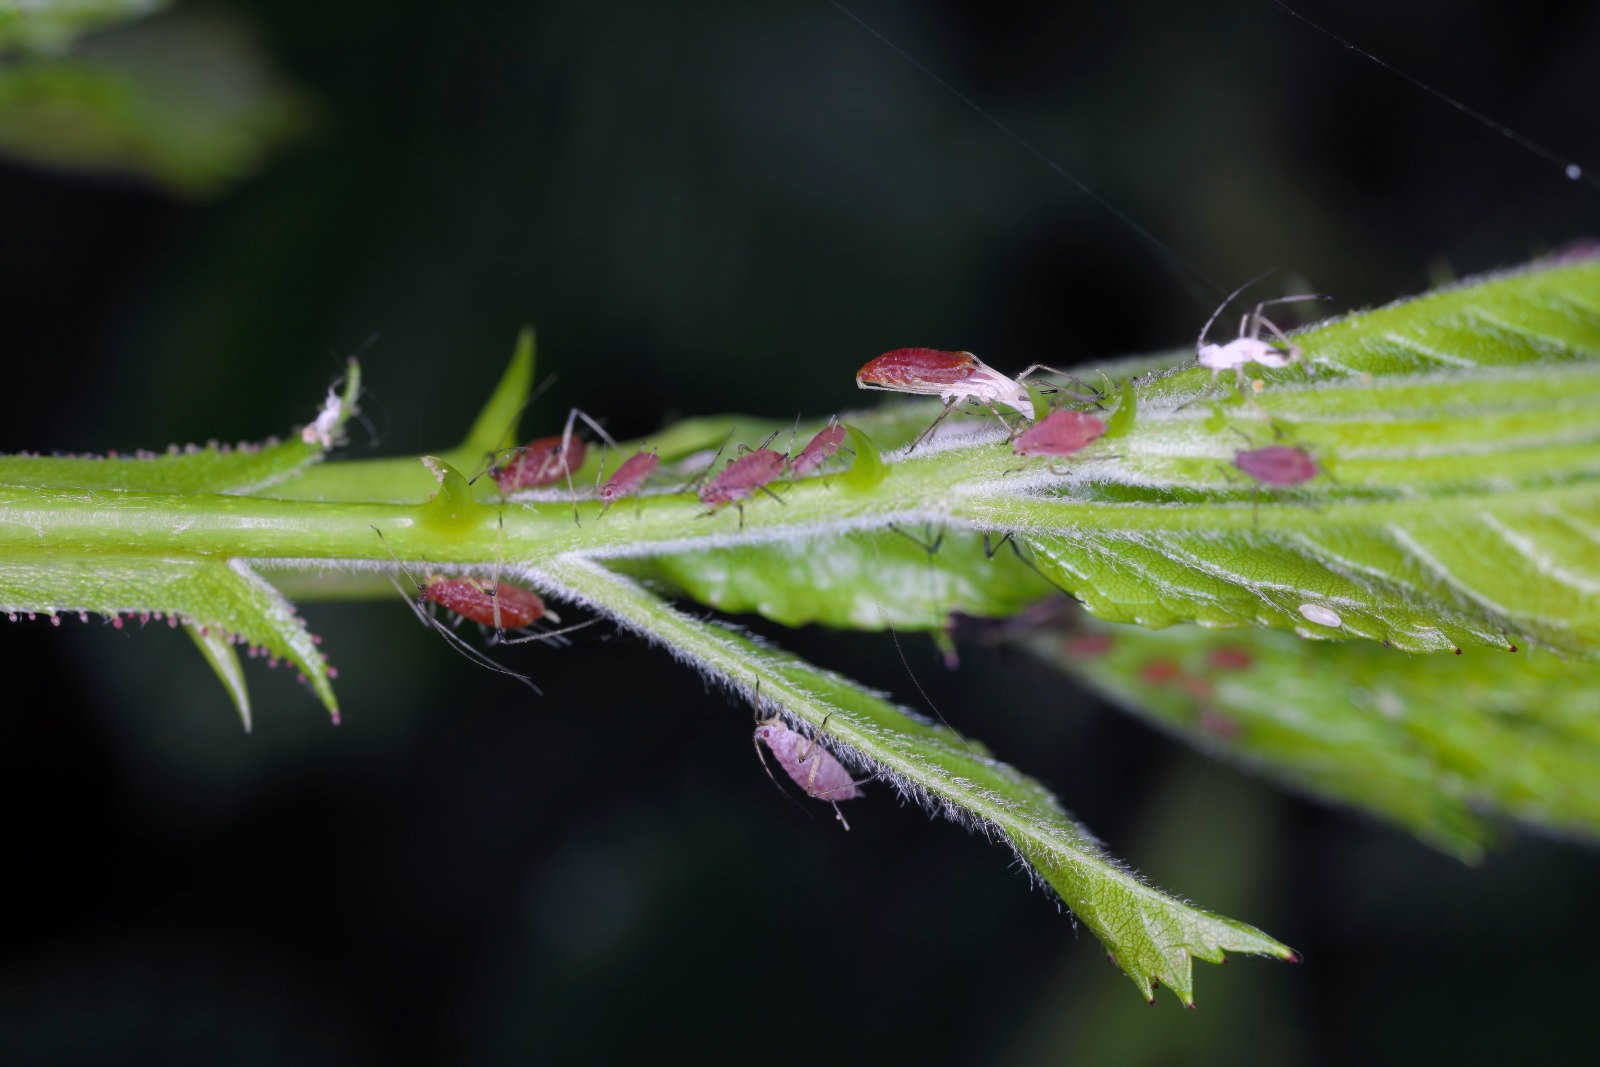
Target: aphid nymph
1249,346
812,767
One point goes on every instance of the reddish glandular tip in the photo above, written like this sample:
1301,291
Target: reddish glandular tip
918,370
542,461
478,600
1278,465
1060,434
629,477
820,449
742,477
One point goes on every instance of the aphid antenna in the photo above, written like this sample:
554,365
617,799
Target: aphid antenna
1093,396
695,482
493,458
1230,298
926,699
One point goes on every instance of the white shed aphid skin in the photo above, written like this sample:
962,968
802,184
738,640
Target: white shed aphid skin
1249,346
1322,616
813,768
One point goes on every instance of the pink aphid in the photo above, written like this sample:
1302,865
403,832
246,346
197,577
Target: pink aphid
1060,434
629,477
742,478
1278,465
499,604
820,449
950,376
818,774
542,461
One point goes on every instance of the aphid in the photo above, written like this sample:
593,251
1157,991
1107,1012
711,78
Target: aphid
1278,465
629,477
743,477
1060,434
542,461
951,376
1322,616
1248,347
1230,658
819,450
815,770
498,604
1160,671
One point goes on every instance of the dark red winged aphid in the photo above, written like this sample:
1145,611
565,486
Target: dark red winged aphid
813,768
820,449
542,461
950,376
629,477
1060,434
1278,465
500,604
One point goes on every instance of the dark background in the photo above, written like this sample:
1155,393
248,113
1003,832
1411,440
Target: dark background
730,207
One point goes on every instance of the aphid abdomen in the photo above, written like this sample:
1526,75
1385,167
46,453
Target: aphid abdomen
477,600
818,451
543,461
1060,434
629,477
742,477
812,767
1278,465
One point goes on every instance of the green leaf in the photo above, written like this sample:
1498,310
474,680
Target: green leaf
862,581
1425,741
1459,501
209,594
218,651
1151,935
213,468
495,428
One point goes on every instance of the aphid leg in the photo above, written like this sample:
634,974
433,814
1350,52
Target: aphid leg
949,406
770,493
566,444
1011,431
988,552
929,547
546,635
1026,562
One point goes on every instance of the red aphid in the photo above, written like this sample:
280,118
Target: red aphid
812,767
742,477
1278,465
1230,658
1160,671
818,451
502,604
1219,725
1087,645
1060,434
542,461
629,477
